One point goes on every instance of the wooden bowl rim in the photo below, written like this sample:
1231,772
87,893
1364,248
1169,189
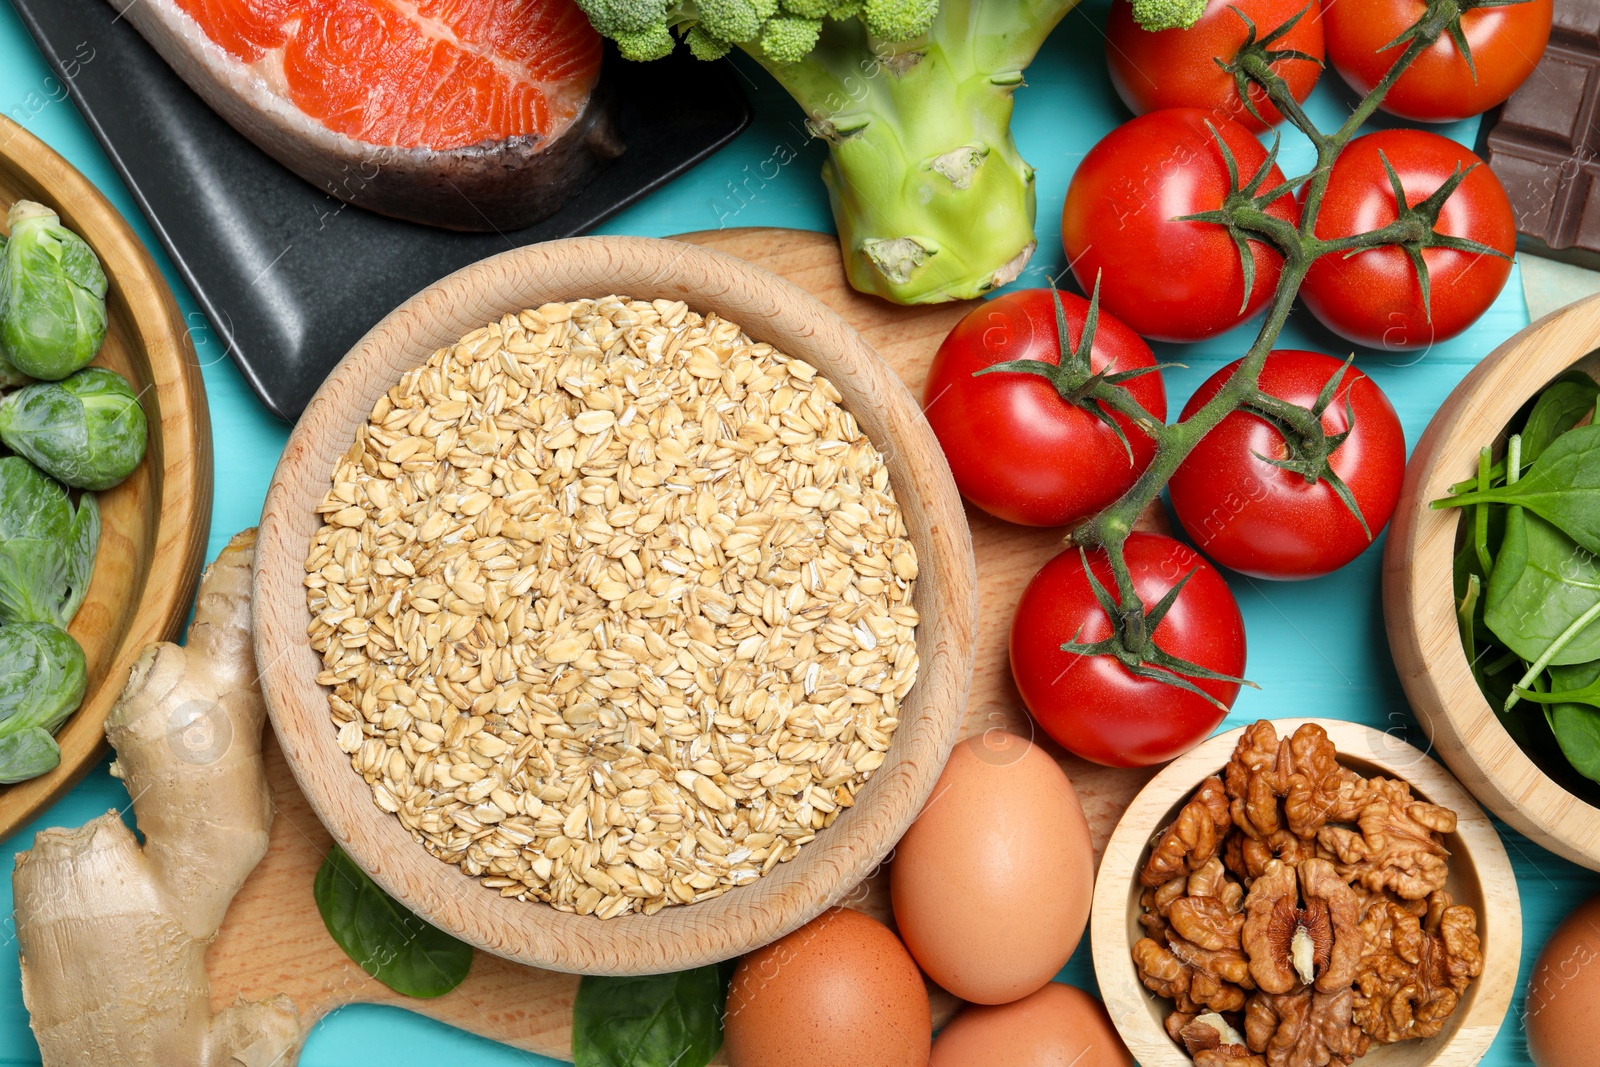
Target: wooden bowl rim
828,867
179,456
1129,1003
1418,588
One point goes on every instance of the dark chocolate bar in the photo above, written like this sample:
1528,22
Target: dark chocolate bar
1544,142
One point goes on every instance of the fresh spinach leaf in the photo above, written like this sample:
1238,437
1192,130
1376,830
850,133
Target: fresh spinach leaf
391,944
1562,487
1577,730
1558,409
659,1020
1570,709
1542,583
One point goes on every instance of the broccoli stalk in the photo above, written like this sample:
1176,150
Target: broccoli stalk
930,197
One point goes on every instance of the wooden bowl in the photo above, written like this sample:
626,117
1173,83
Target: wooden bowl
1480,876
154,525
770,309
1419,599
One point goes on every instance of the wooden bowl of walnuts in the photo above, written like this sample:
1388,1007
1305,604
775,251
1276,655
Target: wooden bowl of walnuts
615,634
1306,891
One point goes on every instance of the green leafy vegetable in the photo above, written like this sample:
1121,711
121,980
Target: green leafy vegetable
1558,409
27,754
47,547
1577,730
1570,709
87,431
1541,583
394,946
1562,486
662,1020
1528,590
52,296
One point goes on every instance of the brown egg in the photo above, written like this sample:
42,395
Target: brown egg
992,883
1049,1027
1562,1019
841,991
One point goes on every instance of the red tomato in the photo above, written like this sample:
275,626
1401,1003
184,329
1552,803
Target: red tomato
1265,521
1373,298
1174,281
1092,705
1017,449
1178,68
1438,86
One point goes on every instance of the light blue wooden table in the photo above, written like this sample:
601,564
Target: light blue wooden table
1316,648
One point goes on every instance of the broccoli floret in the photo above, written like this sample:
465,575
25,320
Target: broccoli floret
899,20
786,39
615,17
1156,15
735,20
808,9
849,9
704,46
644,45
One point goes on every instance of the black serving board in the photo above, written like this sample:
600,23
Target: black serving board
289,277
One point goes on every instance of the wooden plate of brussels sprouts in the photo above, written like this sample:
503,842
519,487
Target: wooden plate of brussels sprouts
105,473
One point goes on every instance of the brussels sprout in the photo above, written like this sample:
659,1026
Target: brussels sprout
52,296
46,547
27,754
87,431
42,676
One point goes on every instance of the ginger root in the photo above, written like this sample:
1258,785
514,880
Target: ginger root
113,934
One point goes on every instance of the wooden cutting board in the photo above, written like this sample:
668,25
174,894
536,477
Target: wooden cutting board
273,940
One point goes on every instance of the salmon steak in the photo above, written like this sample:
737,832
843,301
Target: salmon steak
465,114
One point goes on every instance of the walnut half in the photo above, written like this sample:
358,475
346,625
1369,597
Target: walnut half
1415,969
1193,838
1304,1029
1301,928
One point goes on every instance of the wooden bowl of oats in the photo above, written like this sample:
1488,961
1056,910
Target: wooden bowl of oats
614,634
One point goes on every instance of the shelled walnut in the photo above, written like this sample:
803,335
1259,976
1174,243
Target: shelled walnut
1415,968
1295,911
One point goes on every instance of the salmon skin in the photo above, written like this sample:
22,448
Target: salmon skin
464,114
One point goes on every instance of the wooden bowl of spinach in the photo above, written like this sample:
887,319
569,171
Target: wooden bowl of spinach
1492,582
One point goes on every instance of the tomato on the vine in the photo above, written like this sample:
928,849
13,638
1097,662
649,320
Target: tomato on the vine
1375,297
1095,706
1506,43
1247,513
1178,67
1169,279
1018,450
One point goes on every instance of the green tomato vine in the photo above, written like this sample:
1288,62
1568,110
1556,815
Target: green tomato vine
1243,212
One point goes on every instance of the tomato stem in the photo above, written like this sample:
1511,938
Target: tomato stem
1244,212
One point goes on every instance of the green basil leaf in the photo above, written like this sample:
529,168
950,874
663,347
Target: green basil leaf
658,1020
1541,583
1562,487
391,944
